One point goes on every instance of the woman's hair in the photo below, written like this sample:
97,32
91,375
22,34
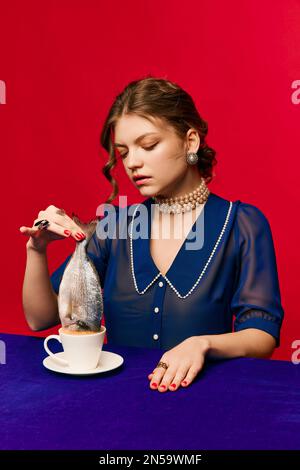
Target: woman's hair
152,97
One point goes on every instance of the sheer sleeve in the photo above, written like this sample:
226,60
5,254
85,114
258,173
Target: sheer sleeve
98,250
256,301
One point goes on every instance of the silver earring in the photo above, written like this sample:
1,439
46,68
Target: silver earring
192,158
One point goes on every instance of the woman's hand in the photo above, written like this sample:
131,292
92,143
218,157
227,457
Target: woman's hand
184,363
61,226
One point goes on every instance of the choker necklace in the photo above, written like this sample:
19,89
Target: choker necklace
185,203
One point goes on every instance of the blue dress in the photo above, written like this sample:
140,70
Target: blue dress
229,282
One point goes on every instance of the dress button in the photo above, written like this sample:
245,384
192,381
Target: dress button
156,310
161,284
155,336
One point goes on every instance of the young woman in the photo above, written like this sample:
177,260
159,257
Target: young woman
218,297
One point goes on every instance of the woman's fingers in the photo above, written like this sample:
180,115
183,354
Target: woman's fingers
172,378
24,229
157,376
59,226
167,379
52,228
29,231
178,379
60,218
192,374
64,231
56,230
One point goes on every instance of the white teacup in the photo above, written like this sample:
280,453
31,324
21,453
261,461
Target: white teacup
82,349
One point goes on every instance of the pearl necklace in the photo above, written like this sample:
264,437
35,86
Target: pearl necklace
185,203
164,276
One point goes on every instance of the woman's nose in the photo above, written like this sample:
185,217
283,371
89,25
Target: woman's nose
133,160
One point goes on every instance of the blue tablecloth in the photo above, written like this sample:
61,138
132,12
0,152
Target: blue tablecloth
240,403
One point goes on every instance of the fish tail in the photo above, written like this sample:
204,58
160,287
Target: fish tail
87,227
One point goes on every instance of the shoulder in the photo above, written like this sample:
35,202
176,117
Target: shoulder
251,224
251,215
245,211
249,221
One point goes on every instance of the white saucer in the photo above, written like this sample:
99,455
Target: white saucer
108,361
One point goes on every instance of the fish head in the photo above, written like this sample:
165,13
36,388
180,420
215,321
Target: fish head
79,321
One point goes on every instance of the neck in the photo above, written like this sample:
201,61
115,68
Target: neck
185,185
185,202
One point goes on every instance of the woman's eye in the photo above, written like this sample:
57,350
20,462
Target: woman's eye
152,147
123,155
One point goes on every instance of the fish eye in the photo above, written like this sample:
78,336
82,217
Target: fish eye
82,325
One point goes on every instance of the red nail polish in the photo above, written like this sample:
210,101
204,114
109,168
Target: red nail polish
184,382
173,385
82,235
78,236
162,386
154,385
67,232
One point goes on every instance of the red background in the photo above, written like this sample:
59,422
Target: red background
63,63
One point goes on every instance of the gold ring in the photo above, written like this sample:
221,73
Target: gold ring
162,364
42,224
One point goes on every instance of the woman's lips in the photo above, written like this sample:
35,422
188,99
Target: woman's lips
142,180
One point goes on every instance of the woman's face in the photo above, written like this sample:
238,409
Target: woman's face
160,154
